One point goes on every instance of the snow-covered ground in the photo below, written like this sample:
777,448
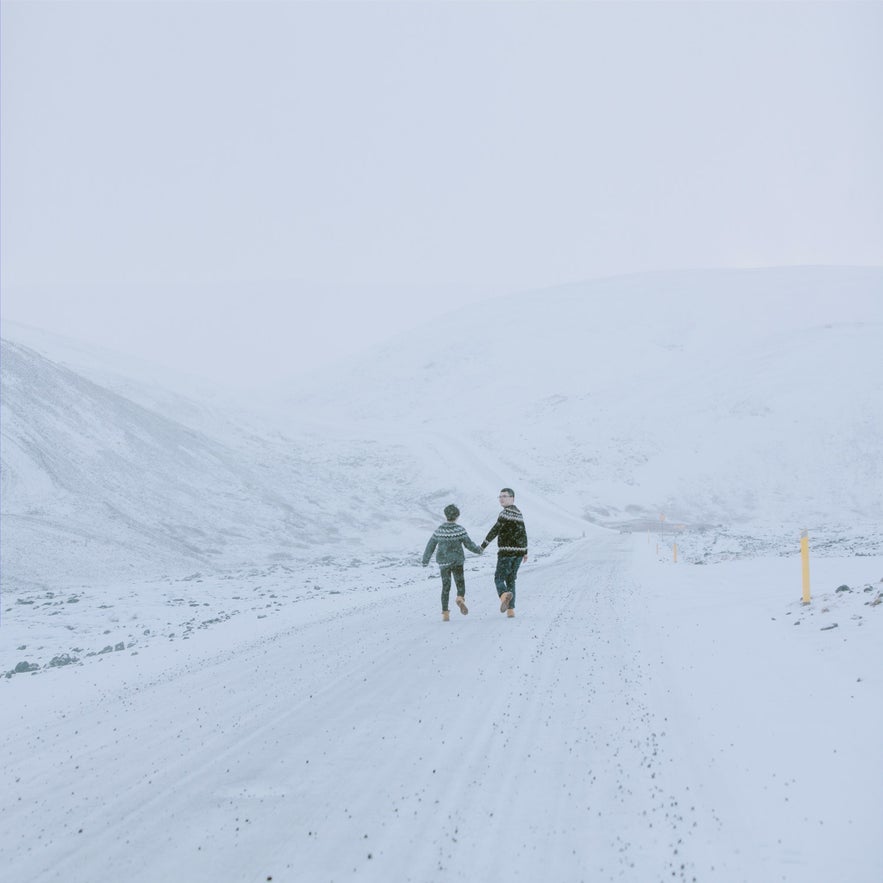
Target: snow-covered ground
224,661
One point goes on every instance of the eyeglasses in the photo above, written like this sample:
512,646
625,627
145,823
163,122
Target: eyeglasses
505,497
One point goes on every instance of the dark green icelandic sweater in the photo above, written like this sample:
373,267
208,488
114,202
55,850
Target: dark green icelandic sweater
510,532
450,539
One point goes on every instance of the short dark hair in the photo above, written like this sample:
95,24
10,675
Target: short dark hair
508,490
452,513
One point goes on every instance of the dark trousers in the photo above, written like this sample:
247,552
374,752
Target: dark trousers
504,575
459,579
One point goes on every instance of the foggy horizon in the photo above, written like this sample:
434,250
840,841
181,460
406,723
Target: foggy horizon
359,169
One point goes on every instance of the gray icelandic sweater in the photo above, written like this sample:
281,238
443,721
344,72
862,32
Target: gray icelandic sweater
450,539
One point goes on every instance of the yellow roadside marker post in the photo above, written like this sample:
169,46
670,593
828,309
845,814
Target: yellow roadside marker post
804,554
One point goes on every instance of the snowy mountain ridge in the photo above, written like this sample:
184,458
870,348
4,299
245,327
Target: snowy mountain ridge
743,405
733,397
95,485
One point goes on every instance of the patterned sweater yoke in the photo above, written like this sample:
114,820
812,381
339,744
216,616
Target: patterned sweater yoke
510,533
449,538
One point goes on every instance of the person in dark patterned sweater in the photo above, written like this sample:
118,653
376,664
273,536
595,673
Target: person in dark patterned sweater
511,538
450,538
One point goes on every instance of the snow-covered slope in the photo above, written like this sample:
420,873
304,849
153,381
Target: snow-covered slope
739,398
742,406
95,484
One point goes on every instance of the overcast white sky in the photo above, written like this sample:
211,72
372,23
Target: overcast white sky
281,181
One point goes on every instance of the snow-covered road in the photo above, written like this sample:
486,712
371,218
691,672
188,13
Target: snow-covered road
611,731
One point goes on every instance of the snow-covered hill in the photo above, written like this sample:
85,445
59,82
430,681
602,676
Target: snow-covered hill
96,486
752,400
741,405
93,483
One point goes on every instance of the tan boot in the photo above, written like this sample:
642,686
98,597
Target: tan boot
461,603
510,613
505,598
445,616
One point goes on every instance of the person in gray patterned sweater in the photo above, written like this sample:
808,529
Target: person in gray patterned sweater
511,537
450,538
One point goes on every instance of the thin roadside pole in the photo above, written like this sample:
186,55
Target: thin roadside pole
804,555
